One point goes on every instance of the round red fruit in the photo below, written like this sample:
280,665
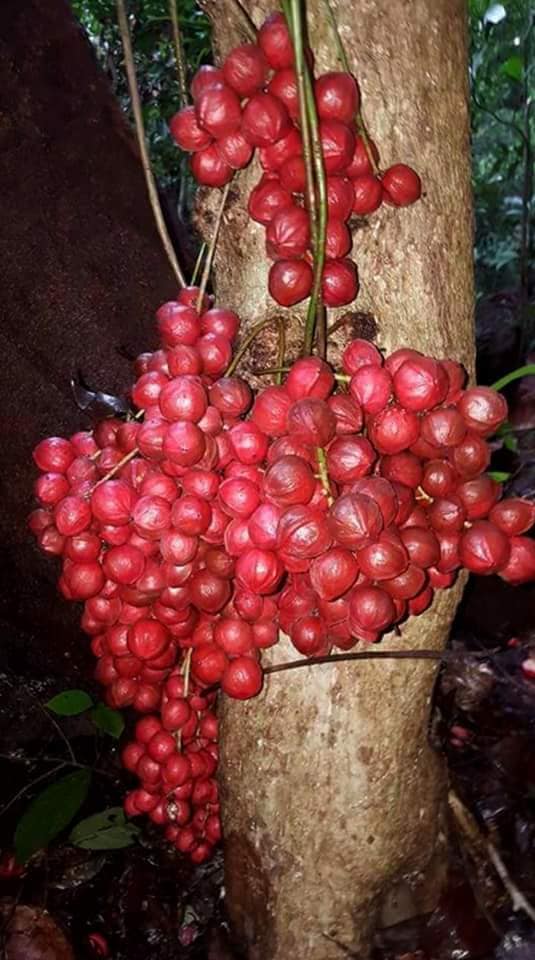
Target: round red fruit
339,283
402,185
290,281
245,69
242,679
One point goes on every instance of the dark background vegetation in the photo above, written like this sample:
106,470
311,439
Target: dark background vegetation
66,156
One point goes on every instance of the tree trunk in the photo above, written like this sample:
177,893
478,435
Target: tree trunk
332,796
81,273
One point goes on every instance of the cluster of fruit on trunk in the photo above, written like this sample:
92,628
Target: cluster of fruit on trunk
331,506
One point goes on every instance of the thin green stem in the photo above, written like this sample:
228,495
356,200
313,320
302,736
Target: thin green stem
180,60
244,346
292,11
211,249
527,371
315,307
343,58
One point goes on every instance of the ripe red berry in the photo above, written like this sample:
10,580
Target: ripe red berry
513,516
265,120
349,459
337,96
370,609
205,77
340,195
245,69
520,567
275,42
484,549
218,111
235,150
339,283
393,429
186,132
337,144
354,520
371,387
283,85
338,240
289,481
288,234
267,199
402,185
367,194
258,570
242,679
54,455
209,169
276,156
208,663
420,384
293,175
483,410
147,639
360,163
290,281
333,573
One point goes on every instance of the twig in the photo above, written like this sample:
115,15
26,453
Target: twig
374,655
472,829
519,901
140,133
118,466
495,116
282,350
29,786
198,262
324,475
180,61
245,344
57,728
211,248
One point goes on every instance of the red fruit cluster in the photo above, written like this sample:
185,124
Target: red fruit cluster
380,493
331,506
252,103
174,755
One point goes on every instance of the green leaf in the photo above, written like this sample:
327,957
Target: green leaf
499,476
108,721
108,830
513,68
49,813
510,442
70,703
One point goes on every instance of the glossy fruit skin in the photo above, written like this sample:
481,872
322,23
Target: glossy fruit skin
245,69
288,234
265,120
275,42
290,281
339,283
283,85
484,549
267,199
337,97
402,185
218,111
337,143
186,132
367,195
209,168
235,150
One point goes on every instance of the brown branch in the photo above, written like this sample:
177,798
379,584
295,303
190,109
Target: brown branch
180,60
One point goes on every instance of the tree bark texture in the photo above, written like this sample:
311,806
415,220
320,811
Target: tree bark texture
81,273
331,795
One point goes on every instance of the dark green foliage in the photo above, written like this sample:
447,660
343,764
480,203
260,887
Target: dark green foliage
155,63
502,75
